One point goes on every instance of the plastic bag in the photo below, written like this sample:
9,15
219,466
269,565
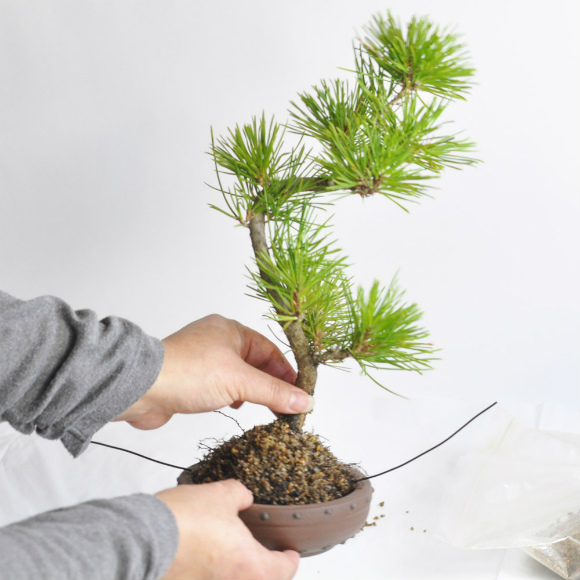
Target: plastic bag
562,557
519,487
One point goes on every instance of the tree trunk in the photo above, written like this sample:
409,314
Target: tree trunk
307,366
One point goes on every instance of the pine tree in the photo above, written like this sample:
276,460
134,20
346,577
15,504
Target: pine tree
379,133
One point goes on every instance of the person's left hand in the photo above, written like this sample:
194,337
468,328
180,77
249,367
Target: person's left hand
214,542
215,362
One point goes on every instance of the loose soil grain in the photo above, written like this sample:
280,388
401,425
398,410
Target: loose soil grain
279,466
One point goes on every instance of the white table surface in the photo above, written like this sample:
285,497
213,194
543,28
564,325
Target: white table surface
37,475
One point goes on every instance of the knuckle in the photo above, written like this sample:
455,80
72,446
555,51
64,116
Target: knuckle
240,492
215,318
239,487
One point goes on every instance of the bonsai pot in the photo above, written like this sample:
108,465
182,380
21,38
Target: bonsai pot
309,529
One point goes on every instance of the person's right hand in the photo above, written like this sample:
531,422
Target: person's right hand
214,543
215,362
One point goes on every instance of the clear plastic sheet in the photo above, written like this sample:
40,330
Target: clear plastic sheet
519,487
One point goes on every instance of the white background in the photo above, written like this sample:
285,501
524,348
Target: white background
105,116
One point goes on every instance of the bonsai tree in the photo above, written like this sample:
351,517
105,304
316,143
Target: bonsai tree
379,133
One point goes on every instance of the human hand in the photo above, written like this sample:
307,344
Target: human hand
215,362
214,543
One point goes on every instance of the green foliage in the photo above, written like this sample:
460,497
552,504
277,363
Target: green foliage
382,135
304,279
334,106
368,147
268,179
385,331
384,132
426,58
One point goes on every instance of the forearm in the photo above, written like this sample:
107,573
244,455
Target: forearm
65,374
126,538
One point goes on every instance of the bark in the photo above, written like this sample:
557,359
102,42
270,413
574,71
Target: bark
334,355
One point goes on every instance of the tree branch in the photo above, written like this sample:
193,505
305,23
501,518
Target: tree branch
333,355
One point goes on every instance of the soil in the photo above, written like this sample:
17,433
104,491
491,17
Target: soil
563,557
279,466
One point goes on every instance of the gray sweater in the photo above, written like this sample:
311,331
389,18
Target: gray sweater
65,374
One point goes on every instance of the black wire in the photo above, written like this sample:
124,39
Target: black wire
428,450
143,456
361,479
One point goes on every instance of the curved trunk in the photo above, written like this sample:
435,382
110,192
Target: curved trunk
307,366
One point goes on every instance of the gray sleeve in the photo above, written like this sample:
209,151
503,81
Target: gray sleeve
64,373
126,538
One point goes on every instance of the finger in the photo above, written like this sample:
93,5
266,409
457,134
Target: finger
263,389
263,354
236,494
150,421
282,565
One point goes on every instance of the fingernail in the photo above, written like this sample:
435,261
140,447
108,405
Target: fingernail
301,402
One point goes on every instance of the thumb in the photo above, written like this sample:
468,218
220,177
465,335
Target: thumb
264,389
283,565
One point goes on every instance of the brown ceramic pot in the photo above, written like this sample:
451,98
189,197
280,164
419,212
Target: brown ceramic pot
309,529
